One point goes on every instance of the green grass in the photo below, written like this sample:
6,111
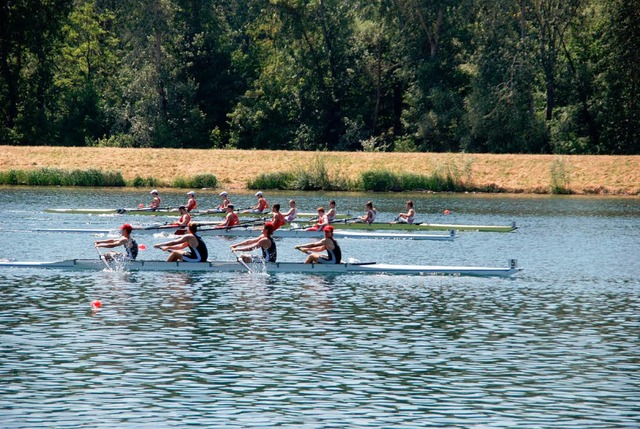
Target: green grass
56,177
96,178
198,182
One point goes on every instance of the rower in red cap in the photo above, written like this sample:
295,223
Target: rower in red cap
334,253
130,245
264,242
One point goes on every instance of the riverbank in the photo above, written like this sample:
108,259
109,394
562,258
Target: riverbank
578,174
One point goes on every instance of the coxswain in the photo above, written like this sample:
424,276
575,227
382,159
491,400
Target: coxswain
260,206
322,221
292,214
231,219
370,215
155,200
409,216
188,248
192,204
264,242
130,245
333,255
278,218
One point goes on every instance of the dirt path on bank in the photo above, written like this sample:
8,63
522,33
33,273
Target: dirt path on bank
515,173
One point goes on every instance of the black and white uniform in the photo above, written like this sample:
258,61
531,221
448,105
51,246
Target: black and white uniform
334,256
270,254
199,254
131,247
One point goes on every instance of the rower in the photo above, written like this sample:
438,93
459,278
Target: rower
334,253
322,222
197,249
332,213
231,219
292,214
260,206
130,245
225,201
155,201
278,218
185,217
264,242
370,215
192,204
409,216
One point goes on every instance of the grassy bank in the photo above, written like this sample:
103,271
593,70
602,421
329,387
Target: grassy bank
235,169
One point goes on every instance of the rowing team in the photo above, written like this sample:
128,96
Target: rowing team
262,206
192,248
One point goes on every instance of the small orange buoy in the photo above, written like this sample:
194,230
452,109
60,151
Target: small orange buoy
142,246
447,211
96,304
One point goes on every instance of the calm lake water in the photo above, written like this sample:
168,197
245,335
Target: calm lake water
557,346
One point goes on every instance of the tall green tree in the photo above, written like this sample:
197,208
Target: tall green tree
500,109
620,79
84,78
29,34
306,45
436,36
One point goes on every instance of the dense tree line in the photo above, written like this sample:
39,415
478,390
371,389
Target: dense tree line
526,76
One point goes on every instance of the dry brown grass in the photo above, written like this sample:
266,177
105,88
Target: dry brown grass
515,173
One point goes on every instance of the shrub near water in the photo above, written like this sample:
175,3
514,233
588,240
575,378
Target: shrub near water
315,177
386,181
199,181
56,177
282,181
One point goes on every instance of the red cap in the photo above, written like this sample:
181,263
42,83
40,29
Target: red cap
328,228
269,226
127,227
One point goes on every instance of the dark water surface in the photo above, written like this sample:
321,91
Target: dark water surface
557,346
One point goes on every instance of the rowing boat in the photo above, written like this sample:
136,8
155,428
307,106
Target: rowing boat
254,232
279,267
416,227
300,233
171,211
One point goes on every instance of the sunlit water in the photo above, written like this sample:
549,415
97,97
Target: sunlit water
557,346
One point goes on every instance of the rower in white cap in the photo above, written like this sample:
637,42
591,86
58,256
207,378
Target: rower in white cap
261,207
225,201
191,202
155,202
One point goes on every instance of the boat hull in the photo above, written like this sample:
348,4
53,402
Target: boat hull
417,227
278,267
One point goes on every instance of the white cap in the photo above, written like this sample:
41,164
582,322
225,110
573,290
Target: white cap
259,194
155,191
223,194
191,193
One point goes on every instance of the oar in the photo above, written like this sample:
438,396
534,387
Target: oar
305,251
102,258
144,209
346,221
240,260
241,225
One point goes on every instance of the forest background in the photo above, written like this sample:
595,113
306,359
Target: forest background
526,76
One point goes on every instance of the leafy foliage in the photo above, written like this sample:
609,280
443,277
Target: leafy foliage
531,76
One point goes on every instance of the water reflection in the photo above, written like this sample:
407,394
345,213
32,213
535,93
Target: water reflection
555,347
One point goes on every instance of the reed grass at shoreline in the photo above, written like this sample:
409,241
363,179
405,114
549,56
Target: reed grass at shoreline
238,169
